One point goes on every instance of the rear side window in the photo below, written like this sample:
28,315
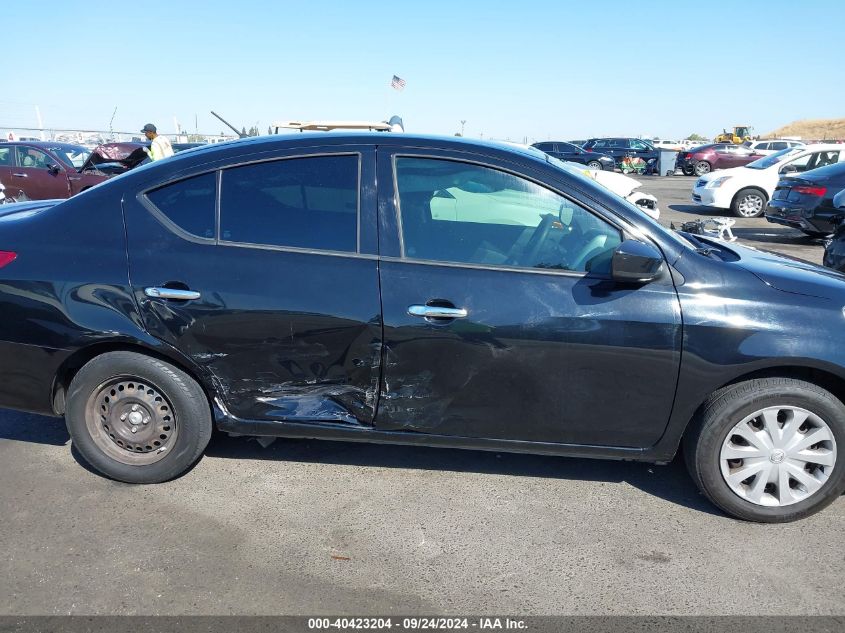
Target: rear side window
189,203
300,202
5,155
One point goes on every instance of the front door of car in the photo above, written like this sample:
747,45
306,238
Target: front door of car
265,275
500,317
7,160
38,175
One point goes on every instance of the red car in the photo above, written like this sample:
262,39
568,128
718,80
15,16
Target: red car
706,158
43,170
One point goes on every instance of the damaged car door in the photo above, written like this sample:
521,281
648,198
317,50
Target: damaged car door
263,273
501,318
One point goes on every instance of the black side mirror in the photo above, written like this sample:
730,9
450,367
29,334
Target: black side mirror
53,169
636,262
789,169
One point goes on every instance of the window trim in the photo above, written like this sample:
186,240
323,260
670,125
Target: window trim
169,224
516,269
143,199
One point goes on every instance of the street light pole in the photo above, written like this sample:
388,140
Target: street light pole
463,122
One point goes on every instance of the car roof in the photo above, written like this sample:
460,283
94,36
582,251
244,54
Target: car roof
44,144
256,143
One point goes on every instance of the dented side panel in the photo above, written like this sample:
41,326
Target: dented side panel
540,358
286,335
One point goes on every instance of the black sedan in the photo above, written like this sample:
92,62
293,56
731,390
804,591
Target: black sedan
418,290
622,148
805,202
574,154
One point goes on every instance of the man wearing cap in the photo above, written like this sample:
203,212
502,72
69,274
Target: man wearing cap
160,146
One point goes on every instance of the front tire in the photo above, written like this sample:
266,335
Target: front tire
137,419
749,203
769,449
594,164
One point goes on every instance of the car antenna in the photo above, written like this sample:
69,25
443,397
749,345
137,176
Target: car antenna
231,127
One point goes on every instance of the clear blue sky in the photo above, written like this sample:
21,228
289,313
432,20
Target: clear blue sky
511,69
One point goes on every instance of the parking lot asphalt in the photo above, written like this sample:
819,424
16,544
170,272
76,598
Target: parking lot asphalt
308,527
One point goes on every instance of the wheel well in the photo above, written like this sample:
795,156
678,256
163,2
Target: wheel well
824,379
763,193
78,359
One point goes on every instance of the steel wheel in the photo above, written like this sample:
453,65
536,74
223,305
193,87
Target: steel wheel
131,420
751,205
594,164
702,167
778,456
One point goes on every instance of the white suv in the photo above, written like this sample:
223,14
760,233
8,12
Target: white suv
766,147
747,190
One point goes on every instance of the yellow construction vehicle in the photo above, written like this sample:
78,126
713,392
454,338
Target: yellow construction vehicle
740,134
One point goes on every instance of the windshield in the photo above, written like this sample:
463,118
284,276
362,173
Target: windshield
71,155
774,159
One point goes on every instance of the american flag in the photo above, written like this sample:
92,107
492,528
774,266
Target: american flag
397,82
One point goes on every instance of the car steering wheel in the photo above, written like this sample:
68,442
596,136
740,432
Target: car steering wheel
532,248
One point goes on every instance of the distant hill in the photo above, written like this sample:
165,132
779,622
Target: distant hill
812,129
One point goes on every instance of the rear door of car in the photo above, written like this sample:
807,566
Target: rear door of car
500,318
34,177
264,272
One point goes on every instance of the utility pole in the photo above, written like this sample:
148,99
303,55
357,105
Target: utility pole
463,122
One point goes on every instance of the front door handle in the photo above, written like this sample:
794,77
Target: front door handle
21,175
437,312
171,293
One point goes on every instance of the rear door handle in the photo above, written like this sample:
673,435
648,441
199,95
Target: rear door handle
437,312
172,293
21,175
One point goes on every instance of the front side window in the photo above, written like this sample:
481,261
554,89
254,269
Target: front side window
468,214
189,204
5,156
34,158
309,202
777,145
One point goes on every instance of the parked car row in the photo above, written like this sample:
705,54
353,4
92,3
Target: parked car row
747,190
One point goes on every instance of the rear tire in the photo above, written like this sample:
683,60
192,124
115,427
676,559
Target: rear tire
702,167
749,203
785,481
137,419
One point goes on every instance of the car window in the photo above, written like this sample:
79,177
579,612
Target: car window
774,159
546,147
34,158
778,145
5,155
638,145
307,202
569,147
189,204
74,156
619,143
812,161
462,213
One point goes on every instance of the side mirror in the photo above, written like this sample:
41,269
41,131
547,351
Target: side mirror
53,169
636,262
789,169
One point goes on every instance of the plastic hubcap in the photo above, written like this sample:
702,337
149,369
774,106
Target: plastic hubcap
778,456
